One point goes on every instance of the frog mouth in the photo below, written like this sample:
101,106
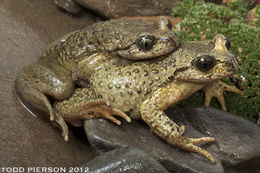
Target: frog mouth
211,77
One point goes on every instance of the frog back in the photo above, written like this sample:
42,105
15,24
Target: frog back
126,87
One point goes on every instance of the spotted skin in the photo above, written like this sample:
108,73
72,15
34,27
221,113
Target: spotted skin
143,90
72,58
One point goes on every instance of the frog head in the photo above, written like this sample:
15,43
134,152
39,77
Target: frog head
205,61
138,40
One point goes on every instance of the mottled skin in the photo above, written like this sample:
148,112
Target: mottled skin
145,89
73,57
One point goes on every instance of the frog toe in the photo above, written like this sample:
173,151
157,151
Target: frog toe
197,149
201,140
110,113
216,90
62,125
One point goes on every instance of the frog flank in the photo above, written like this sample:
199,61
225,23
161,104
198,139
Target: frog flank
143,90
72,58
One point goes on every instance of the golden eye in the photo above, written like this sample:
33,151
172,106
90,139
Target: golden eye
205,63
146,42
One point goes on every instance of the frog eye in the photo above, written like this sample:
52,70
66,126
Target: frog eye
205,62
146,42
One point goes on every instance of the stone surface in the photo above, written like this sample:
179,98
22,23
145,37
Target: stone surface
122,160
117,8
26,26
236,150
68,5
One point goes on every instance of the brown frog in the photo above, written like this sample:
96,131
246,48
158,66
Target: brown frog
145,89
81,52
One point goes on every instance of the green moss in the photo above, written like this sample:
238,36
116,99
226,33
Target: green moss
203,21
256,13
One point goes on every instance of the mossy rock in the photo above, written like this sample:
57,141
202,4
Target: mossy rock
203,21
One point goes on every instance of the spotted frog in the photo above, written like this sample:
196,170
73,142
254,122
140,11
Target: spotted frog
72,58
145,89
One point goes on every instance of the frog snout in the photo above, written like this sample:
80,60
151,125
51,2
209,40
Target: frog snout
171,39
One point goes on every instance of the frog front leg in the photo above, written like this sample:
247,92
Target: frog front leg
152,112
216,89
83,105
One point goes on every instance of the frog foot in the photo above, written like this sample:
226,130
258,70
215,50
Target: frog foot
60,122
76,115
106,112
216,89
189,144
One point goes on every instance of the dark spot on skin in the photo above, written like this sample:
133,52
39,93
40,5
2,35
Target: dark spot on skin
107,69
100,83
128,73
150,82
154,71
170,78
81,38
80,45
118,86
130,92
91,113
127,85
111,99
129,111
180,70
139,90
136,70
110,85
145,73
100,96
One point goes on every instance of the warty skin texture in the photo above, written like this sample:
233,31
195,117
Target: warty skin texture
145,89
72,58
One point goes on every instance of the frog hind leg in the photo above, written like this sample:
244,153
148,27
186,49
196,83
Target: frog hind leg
34,83
83,105
152,112
216,89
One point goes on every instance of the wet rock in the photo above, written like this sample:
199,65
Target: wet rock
237,147
26,27
237,139
126,159
68,5
115,8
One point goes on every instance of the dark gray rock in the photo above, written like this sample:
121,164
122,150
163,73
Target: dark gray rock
68,5
122,160
238,140
237,147
116,8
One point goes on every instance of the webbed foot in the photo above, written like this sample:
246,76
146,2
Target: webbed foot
216,89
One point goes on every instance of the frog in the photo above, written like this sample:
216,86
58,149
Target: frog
76,55
145,89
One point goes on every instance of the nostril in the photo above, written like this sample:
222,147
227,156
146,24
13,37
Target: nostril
165,39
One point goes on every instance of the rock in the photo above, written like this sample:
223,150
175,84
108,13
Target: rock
237,139
121,160
115,8
26,27
68,5
237,147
